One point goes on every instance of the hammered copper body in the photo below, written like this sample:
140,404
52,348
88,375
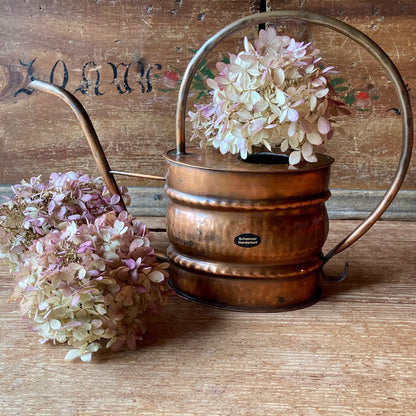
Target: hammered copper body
216,201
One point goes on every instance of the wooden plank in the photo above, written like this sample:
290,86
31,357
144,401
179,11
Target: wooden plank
127,58
359,203
351,353
344,203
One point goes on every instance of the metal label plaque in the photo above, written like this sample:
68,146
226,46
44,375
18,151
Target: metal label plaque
247,240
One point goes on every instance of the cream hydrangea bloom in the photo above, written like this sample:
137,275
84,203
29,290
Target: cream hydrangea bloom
89,285
274,93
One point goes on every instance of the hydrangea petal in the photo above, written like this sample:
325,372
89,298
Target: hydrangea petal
314,138
295,157
292,114
324,126
280,97
284,146
156,276
307,150
72,355
86,357
43,306
55,324
321,93
279,76
224,147
257,125
291,131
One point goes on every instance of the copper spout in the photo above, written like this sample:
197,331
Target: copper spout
88,130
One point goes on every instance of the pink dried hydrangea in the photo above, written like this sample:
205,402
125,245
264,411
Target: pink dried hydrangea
275,93
37,208
89,284
85,269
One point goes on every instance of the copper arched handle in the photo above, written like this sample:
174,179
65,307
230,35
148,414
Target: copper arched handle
355,35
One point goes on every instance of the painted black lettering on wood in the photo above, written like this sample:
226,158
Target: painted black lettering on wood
65,74
85,84
126,85
29,68
149,85
122,77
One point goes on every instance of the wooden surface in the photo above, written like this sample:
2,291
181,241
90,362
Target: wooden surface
352,353
124,59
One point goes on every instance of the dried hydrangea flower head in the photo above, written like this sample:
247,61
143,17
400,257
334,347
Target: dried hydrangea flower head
274,93
88,285
37,208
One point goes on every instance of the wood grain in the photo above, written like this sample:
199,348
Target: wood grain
352,353
120,58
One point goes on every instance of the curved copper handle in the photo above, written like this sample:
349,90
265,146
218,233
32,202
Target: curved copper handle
355,35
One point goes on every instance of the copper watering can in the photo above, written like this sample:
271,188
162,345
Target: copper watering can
249,236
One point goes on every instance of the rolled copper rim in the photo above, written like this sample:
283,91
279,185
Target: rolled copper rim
249,205
241,270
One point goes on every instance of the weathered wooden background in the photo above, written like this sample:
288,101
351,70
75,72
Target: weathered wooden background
124,60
